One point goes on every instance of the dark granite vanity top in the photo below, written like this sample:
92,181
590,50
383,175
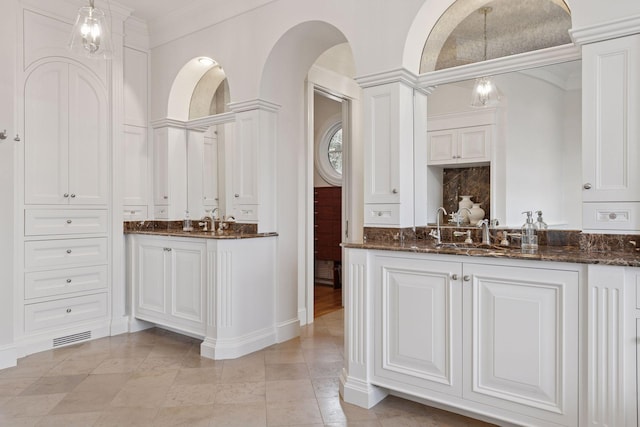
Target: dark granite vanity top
557,246
174,229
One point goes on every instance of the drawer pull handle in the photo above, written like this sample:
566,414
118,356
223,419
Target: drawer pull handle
69,221
394,191
68,310
68,251
165,197
167,249
466,278
65,195
454,277
68,280
587,186
73,196
236,195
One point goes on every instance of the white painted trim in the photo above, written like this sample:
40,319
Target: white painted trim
360,393
208,121
8,356
137,325
254,104
401,75
302,316
538,58
462,119
42,342
232,348
606,30
287,330
167,122
120,325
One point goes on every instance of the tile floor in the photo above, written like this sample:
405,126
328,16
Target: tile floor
157,378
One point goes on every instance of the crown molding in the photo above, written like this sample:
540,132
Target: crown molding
522,61
168,123
254,104
203,123
136,34
400,75
606,30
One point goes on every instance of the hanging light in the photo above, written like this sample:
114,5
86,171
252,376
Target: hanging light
485,92
90,35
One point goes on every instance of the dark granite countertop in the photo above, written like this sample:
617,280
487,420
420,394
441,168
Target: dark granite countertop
570,254
174,229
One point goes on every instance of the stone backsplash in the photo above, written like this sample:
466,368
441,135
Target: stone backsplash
472,181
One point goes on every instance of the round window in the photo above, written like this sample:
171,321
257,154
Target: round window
329,154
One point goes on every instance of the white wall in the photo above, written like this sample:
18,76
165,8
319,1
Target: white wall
8,34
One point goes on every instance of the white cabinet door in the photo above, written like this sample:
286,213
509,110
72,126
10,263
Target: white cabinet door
135,166
66,136
245,159
170,283
521,345
46,134
442,147
460,146
161,167
418,324
610,126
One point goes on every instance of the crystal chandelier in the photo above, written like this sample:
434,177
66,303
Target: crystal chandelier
90,35
485,92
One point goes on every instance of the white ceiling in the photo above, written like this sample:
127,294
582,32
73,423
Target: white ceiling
151,10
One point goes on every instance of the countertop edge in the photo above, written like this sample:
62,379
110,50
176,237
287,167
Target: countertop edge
202,235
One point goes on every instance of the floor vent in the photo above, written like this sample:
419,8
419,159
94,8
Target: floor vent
57,342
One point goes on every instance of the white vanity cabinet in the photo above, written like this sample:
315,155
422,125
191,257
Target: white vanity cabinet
66,136
610,129
460,146
170,282
499,337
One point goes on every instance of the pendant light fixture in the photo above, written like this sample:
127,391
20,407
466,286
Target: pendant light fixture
90,36
485,92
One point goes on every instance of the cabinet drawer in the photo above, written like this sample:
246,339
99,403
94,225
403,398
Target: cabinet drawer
245,213
611,216
53,314
134,213
381,214
42,222
60,282
61,253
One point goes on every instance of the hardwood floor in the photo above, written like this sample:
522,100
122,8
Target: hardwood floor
326,299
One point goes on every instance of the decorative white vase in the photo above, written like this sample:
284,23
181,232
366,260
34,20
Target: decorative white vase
462,204
477,214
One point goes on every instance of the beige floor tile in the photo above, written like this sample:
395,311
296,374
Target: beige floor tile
160,363
291,413
241,393
145,389
87,419
239,415
131,351
93,394
118,365
194,360
50,385
31,406
191,416
287,371
28,370
326,387
243,372
74,367
322,355
164,350
190,395
325,369
336,410
289,391
392,407
283,356
20,422
14,386
119,417
199,375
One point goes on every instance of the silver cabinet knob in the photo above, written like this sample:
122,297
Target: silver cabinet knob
69,221
466,278
167,249
68,251
236,195
65,195
454,277
613,215
394,191
73,196
68,310
165,197
68,280
587,186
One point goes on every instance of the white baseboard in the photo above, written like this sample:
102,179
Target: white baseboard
302,316
359,393
288,330
8,356
232,348
120,325
137,325
44,341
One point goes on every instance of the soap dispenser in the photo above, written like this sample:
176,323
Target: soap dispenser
540,224
186,222
529,236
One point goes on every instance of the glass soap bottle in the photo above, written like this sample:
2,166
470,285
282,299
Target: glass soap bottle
540,224
186,222
529,236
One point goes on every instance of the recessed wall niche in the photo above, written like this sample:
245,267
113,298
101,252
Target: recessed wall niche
471,181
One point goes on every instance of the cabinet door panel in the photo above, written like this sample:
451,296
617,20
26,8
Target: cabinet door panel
245,159
188,282
88,139
46,134
136,166
442,147
418,331
152,285
474,143
210,169
523,340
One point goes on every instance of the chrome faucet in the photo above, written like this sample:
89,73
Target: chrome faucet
459,215
486,237
436,233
